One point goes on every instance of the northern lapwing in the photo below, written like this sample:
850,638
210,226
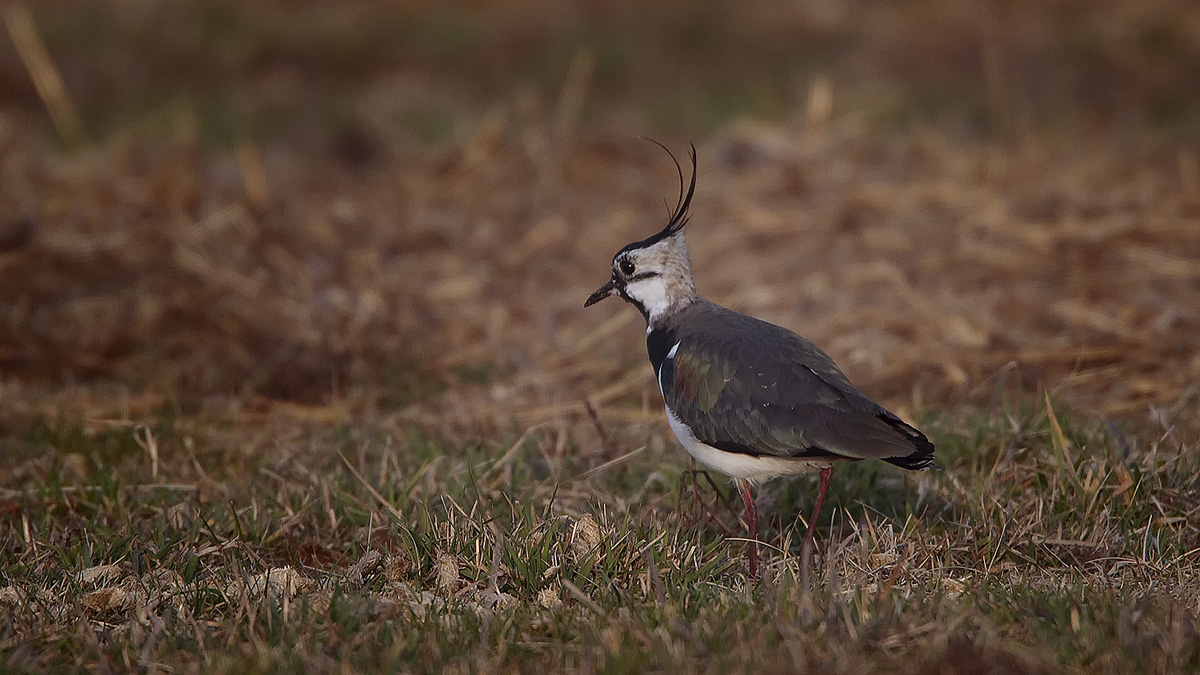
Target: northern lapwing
747,398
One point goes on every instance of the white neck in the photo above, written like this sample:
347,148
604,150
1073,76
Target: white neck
661,295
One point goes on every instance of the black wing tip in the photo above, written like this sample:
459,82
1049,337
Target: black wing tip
922,457
918,461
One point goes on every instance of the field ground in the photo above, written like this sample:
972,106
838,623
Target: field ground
294,370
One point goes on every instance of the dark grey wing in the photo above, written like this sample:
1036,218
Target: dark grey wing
747,386
841,419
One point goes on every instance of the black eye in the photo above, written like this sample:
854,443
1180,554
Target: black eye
627,267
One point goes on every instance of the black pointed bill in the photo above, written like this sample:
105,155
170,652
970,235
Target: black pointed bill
604,291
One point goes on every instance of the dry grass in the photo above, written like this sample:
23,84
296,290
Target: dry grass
294,371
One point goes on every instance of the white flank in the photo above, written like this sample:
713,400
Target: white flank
736,465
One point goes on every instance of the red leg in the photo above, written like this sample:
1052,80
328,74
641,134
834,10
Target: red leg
752,526
826,474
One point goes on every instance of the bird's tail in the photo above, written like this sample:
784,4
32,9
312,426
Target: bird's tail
922,456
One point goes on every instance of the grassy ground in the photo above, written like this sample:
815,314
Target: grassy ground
294,372
196,544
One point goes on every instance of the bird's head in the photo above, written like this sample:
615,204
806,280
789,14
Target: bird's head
654,274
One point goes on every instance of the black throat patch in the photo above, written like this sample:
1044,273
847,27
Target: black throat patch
658,344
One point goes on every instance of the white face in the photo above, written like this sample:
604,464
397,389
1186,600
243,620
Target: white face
654,278
651,293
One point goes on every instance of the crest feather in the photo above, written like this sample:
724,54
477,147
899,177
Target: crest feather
680,216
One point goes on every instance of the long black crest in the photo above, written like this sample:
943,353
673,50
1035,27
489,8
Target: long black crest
680,216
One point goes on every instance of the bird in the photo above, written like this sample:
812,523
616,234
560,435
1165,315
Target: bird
747,398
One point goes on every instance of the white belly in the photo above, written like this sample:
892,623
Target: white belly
739,466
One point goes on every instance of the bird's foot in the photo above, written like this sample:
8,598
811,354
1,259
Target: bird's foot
696,506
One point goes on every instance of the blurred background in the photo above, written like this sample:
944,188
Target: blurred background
397,208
